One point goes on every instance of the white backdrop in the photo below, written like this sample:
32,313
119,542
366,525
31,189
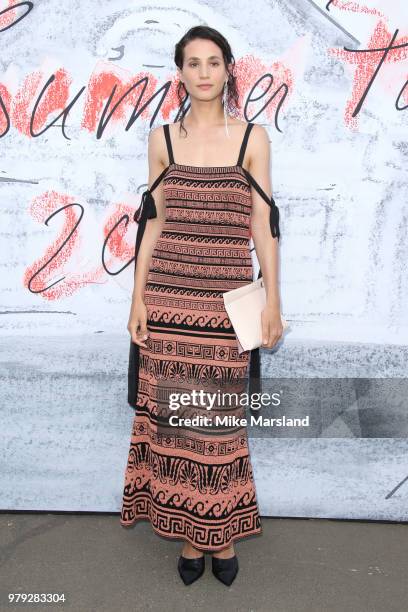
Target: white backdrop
71,173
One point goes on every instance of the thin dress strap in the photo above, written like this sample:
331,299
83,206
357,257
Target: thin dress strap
274,210
244,144
168,142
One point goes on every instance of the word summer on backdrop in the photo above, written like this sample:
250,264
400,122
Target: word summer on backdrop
208,401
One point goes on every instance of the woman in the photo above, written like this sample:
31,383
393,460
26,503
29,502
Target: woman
195,482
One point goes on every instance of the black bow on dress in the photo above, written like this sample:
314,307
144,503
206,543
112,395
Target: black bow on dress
147,208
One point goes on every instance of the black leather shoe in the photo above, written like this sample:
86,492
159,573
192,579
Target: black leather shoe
190,569
225,569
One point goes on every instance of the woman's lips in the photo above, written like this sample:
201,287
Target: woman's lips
204,86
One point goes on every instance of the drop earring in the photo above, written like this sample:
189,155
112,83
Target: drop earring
224,102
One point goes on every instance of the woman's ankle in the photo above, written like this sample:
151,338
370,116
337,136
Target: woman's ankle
190,552
225,553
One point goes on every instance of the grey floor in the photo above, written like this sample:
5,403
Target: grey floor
312,565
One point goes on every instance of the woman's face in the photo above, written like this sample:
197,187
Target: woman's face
203,65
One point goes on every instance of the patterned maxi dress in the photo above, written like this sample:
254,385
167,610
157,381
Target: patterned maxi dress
193,482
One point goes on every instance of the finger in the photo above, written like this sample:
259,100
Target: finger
143,331
265,332
139,339
276,337
138,336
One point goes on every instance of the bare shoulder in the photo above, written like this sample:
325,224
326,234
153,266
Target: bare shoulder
260,135
259,147
258,143
156,135
157,145
236,121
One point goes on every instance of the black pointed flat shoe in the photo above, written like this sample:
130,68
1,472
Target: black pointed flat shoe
225,569
190,569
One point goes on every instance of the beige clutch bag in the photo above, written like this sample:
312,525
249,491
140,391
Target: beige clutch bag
244,306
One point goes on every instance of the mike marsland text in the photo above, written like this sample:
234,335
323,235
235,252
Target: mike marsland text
232,421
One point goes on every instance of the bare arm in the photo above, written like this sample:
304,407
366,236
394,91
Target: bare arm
266,246
153,226
137,324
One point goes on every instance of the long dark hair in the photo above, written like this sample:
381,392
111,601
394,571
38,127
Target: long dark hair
232,104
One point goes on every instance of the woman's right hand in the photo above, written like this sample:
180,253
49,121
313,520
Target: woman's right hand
137,325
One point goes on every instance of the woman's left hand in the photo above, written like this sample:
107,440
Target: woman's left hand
272,328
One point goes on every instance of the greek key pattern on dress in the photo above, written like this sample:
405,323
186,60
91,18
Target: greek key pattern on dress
202,501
